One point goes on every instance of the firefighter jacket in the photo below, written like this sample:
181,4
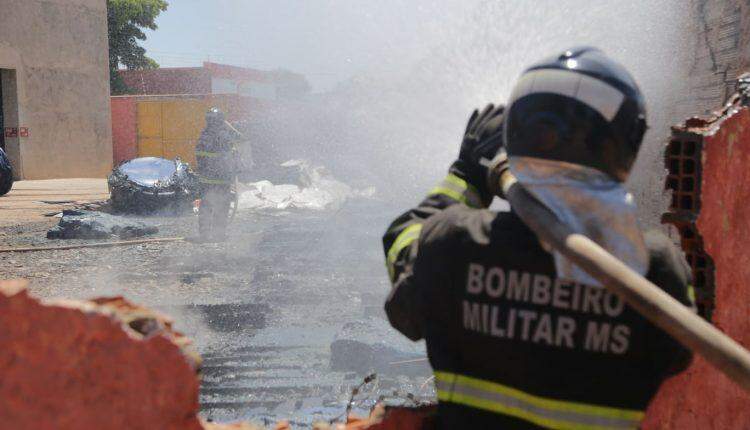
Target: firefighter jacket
216,154
511,345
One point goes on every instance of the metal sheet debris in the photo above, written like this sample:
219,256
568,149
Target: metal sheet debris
152,184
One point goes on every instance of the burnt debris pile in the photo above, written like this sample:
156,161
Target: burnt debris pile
76,224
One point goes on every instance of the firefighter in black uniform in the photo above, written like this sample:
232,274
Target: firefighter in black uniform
512,344
216,155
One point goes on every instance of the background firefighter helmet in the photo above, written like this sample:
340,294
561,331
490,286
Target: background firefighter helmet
580,107
214,117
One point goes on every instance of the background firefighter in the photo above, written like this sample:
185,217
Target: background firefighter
216,156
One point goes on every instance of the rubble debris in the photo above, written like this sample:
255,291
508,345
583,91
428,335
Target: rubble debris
401,418
355,391
383,417
152,184
238,426
369,345
92,364
6,174
97,225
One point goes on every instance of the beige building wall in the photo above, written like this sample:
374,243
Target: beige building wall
54,60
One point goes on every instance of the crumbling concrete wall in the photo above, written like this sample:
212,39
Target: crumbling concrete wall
702,397
718,43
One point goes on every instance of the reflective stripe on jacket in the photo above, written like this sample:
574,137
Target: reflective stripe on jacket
453,189
459,190
211,181
545,412
215,154
208,154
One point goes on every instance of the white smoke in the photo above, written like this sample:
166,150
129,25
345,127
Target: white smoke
401,129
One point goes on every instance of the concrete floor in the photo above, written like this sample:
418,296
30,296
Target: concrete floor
30,201
287,313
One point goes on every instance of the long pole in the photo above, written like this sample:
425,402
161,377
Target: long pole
93,245
649,300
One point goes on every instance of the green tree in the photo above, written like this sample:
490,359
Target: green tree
126,20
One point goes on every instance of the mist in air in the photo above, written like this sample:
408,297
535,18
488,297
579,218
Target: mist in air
289,313
395,80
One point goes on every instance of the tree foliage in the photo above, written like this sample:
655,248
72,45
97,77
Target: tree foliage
126,20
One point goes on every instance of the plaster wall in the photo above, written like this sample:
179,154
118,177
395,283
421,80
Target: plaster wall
58,50
719,42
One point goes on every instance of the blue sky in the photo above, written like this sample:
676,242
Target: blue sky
327,40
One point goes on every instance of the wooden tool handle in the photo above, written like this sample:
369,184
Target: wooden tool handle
649,300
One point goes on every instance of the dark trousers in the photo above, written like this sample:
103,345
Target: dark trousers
214,211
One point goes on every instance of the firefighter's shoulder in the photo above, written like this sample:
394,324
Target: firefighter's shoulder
668,267
460,224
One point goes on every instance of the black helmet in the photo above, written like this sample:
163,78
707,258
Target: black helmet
581,107
214,116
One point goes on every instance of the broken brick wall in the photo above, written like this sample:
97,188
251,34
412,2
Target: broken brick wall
102,364
713,217
708,173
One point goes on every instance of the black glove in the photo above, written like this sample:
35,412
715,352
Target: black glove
482,141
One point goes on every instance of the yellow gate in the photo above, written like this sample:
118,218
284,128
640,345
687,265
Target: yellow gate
170,128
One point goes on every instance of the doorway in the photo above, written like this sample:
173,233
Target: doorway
2,121
10,143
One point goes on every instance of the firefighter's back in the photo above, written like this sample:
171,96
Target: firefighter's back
214,154
513,346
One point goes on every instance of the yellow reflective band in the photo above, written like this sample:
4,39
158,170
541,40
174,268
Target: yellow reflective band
207,154
453,179
404,239
459,190
550,413
211,181
691,292
455,195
